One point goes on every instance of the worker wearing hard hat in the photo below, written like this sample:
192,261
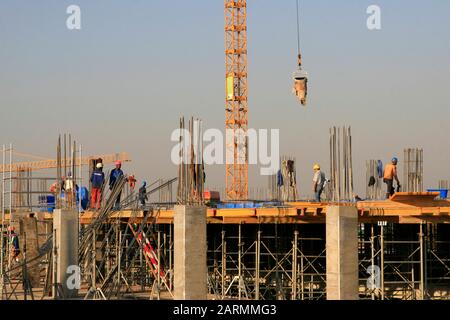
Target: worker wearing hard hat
132,182
143,193
318,182
390,173
97,180
69,188
113,177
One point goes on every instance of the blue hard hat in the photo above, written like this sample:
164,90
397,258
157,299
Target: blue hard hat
395,159
144,183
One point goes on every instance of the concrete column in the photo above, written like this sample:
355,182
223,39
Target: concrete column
65,227
190,270
342,252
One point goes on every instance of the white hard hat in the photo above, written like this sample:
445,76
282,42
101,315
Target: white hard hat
99,165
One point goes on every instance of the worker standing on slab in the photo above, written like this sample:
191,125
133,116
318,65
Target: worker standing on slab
97,180
318,182
69,189
132,182
116,174
390,173
143,194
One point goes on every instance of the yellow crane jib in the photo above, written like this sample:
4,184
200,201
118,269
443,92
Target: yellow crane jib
52,164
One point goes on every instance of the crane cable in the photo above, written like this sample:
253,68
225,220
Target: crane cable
298,28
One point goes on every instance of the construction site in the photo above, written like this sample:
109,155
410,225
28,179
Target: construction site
176,238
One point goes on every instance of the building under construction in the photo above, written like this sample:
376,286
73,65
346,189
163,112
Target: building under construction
278,248
187,242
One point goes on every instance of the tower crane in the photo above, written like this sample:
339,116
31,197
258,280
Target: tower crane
236,106
236,101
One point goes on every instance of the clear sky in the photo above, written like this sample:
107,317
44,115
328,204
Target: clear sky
122,81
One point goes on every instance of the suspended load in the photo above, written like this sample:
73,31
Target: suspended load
300,78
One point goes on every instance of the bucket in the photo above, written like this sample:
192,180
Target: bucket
443,193
50,203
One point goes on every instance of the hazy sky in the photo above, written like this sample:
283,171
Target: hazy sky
122,81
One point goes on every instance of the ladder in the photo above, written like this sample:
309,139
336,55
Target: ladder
151,258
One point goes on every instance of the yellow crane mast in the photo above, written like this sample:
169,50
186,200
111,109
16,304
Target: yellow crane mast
236,105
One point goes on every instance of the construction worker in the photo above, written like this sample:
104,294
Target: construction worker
97,180
318,182
116,174
390,173
143,194
68,188
132,182
14,243
54,187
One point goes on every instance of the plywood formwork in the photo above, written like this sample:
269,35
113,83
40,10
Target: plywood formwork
402,208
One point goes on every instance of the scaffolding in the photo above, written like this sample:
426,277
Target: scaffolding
266,262
133,257
410,261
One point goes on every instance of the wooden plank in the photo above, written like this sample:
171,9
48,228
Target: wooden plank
241,212
276,212
414,196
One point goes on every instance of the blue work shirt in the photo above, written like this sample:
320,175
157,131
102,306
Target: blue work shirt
97,178
115,174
